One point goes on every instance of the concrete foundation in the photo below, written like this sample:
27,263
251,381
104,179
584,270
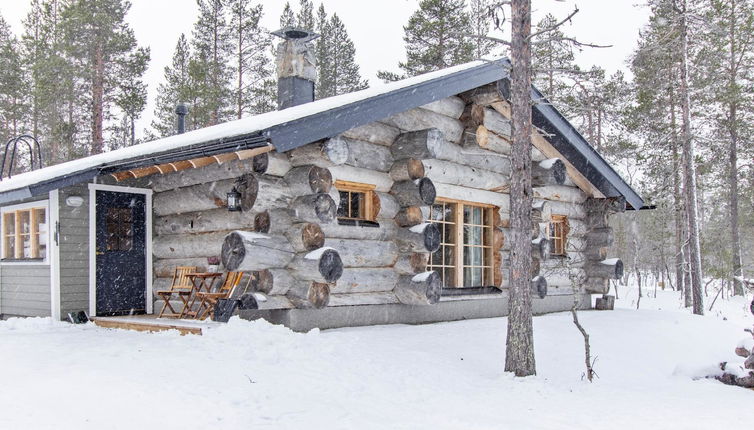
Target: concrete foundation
447,310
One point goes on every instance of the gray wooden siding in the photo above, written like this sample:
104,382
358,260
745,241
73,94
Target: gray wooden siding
25,288
74,252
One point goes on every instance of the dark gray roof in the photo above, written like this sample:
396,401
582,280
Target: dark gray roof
324,118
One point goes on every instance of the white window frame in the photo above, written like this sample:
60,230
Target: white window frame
50,232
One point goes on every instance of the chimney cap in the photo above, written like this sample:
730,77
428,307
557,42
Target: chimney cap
296,33
181,109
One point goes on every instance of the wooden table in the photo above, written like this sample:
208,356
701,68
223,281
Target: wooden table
200,281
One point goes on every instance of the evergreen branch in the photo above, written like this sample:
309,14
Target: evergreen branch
571,40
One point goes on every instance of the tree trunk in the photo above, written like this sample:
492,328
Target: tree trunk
677,208
519,351
98,92
738,287
690,172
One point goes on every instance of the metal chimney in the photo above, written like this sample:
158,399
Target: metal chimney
181,110
296,66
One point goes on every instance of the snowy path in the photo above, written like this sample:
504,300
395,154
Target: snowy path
444,376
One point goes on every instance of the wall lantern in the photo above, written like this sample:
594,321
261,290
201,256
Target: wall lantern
234,200
74,201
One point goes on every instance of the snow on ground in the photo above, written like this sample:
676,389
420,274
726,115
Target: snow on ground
247,375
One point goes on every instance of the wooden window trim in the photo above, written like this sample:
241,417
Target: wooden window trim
34,235
562,235
371,204
458,246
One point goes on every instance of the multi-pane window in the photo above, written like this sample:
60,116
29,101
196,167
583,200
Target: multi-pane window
119,224
558,235
465,255
356,201
24,233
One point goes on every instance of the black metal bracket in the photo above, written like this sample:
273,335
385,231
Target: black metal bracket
28,140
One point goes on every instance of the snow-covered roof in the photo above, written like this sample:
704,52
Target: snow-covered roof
299,125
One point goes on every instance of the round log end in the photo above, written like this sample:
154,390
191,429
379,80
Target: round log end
312,236
539,286
434,288
558,172
419,261
427,191
415,168
320,179
319,295
336,150
325,208
263,282
260,163
262,222
233,251
330,265
248,186
409,217
618,269
432,238
248,302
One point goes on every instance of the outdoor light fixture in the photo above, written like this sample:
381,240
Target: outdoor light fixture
234,200
74,201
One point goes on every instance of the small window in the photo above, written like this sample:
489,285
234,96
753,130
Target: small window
24,233
465,257
119,223
357,202
558,234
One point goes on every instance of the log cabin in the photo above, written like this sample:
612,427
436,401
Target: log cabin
387,205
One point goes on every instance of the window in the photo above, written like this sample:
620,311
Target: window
119,223
465,256
558,234
24,231
357,202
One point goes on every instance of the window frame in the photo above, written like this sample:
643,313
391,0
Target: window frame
558,219
40,204
370,206
488,255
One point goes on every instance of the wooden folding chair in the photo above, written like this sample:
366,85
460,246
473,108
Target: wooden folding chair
225,291
181,287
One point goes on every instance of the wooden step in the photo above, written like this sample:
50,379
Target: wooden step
149,324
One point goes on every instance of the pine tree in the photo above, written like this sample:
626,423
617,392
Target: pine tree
730,55
481,21
13,88
287,18
177,88
104,49
305,16
251,64
55,113
436,38
210,64
553,63
337,68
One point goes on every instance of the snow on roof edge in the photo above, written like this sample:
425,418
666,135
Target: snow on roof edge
252,124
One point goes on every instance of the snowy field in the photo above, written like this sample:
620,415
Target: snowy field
442,376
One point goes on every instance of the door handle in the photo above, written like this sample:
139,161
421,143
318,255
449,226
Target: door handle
100,253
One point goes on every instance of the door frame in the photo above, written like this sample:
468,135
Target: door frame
93,188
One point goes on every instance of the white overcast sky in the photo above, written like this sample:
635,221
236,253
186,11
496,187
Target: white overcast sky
376,27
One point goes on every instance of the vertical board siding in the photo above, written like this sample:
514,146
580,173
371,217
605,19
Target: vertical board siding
74,252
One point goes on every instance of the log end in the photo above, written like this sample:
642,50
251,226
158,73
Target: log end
539,286
427,191
260,163
432,238
262,222
415,168
233,251
319,295
330,265
312,236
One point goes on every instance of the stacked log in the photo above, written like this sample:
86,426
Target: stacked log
599,237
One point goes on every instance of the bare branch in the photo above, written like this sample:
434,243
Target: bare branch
571,40
480,36
551,28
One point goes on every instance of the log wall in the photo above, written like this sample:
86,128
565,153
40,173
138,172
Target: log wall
456,148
